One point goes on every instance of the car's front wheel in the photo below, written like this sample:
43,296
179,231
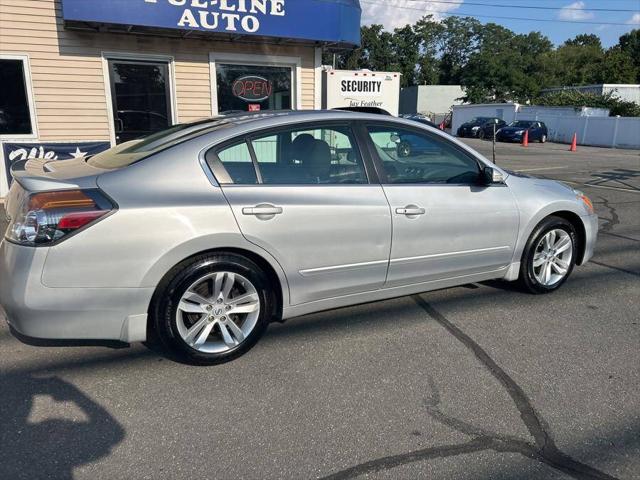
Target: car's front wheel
213,308
549,256
543,138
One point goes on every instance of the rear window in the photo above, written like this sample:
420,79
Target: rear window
130,152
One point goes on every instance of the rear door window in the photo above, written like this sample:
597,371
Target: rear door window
311,155
307,156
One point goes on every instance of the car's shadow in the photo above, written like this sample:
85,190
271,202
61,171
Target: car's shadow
48,427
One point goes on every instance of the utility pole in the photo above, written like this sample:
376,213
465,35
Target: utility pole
494,143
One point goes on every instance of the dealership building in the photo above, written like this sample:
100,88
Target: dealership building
78,76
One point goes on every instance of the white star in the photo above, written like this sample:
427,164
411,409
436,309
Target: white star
78,153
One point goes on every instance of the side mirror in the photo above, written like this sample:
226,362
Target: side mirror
491,176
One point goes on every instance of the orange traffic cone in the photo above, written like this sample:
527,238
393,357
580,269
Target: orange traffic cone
525,139
574,143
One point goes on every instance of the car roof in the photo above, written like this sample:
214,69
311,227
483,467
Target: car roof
238,123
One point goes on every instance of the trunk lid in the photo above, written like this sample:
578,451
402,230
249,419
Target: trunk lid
36,175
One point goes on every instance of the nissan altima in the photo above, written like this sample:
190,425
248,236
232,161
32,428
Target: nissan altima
203,234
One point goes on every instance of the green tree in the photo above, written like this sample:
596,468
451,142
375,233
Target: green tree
577,62
406,54
630,45
429,32
618,67
577,99
458,41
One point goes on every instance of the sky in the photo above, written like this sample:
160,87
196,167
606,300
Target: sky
394,13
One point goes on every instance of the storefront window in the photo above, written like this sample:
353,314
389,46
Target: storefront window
252,88
15,117
141,98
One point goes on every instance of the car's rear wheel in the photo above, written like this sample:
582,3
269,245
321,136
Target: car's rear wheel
549,256
213,309
404,149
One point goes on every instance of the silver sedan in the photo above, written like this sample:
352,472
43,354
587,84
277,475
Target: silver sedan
203,234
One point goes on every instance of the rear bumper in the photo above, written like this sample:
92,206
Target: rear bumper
591,236
36,311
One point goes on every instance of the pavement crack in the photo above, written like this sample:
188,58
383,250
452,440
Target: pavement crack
543,449
615,218
619,269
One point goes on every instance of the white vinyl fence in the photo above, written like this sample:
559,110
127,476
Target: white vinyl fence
615,132
593,126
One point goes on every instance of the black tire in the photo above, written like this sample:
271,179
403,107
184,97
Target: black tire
404,149
543,138
527,279
164,306
481,134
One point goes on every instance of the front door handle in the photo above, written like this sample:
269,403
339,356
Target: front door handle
410,210
262,210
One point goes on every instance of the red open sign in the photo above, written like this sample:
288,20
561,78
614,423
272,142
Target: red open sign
252,88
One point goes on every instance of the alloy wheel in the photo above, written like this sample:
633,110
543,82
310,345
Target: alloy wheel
218,312
552,257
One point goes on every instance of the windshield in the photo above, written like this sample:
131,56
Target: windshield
130,152
480,120
521,124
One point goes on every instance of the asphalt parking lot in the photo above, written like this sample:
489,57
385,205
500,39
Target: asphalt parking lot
474,382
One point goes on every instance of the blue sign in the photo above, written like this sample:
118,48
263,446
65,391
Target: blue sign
14,151
318,20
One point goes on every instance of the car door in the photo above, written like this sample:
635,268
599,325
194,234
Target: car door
445,223
302,194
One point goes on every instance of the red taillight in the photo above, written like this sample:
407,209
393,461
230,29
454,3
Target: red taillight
47,217
74,221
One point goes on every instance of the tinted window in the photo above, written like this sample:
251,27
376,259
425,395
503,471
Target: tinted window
130,152
413,157
238,164
15,118
323,155
253,87
140,94
522,124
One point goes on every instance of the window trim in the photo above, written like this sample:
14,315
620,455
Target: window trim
294,63
143,58
28,83
378,163
220,172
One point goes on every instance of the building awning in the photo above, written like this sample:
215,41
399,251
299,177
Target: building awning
334,22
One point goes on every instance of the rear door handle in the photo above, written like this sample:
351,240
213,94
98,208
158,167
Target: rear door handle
410,210
262,210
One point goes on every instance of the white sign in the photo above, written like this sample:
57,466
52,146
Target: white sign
361,89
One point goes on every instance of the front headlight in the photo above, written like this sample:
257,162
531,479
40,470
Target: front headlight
519,132
474,129
586,201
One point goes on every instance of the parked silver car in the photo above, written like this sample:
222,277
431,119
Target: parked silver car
204,233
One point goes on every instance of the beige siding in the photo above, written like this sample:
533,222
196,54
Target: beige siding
67,68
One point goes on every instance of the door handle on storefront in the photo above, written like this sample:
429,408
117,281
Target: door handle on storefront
410,210
266,210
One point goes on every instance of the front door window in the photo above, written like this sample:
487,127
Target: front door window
141,98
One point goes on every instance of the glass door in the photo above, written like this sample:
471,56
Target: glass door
141,98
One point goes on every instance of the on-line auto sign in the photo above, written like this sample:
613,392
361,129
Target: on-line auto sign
232,14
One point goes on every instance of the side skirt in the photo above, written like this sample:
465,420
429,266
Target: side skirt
387,293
